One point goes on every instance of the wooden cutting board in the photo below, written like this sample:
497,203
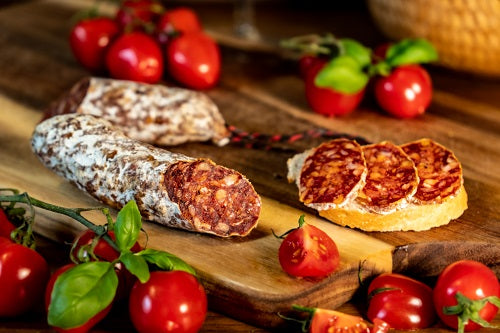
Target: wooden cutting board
260,91
242,275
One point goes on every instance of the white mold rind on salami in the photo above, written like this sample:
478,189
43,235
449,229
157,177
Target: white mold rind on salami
331,175
154,114
439,170
104,162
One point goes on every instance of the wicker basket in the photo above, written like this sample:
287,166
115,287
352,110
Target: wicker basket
466,33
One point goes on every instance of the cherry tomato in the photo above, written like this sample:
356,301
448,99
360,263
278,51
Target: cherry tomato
400,301
104,251
326,101
134,14
406,92
308,251
135,56
193,59
6,227
89,40
307,62
80,329
23,275
472,280
172,301
182,20
324,320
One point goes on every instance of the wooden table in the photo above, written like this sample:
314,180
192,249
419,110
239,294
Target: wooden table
261,91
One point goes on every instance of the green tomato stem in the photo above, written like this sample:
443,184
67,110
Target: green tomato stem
74,213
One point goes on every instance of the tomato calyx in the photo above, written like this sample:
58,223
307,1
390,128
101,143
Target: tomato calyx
302,221
381,290
467,309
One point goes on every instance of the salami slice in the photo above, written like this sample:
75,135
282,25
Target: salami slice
391,180
330,175
169,188
154,114
439,170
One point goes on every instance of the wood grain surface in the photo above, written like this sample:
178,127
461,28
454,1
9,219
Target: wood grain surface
260,91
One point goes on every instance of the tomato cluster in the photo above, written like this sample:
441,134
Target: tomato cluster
145,41
338,72
108,266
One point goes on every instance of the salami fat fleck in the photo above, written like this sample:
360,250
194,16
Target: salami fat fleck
391,180
439,170
154,114
169,188
329,175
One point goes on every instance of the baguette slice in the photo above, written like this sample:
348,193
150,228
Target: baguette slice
439,197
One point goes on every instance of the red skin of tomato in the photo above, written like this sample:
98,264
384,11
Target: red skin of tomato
105,252
136,57
80,329
405,93
327,101
308,252
23,276
6,227
475,281
172,301
409,306
133,14
194,60
181,20
333,321
89,40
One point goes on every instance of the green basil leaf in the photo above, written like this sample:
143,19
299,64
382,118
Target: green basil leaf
136,265
166,261
343,74
411,51
357,51
128,226
82,292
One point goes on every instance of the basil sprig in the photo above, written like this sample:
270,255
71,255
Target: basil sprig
86,289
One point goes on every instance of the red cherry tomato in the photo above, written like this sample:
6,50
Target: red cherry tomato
326,101
182,20
473,280
89,39
23,275
307,62
172,301
406,304
6,227
308,252
134,14
135,56
102,249
406,92
333,321
193,59
80,329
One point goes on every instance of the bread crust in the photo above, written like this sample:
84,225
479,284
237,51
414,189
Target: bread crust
416,217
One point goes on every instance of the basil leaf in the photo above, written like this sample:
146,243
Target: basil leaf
411,51
166,261
136,265
128,226
82,292
357,51
343,74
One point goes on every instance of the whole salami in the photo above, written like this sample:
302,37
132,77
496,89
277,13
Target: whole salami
154,114
170,189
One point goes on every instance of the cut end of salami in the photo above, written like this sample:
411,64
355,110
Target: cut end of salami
154,114
381,187
171,189
218,200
